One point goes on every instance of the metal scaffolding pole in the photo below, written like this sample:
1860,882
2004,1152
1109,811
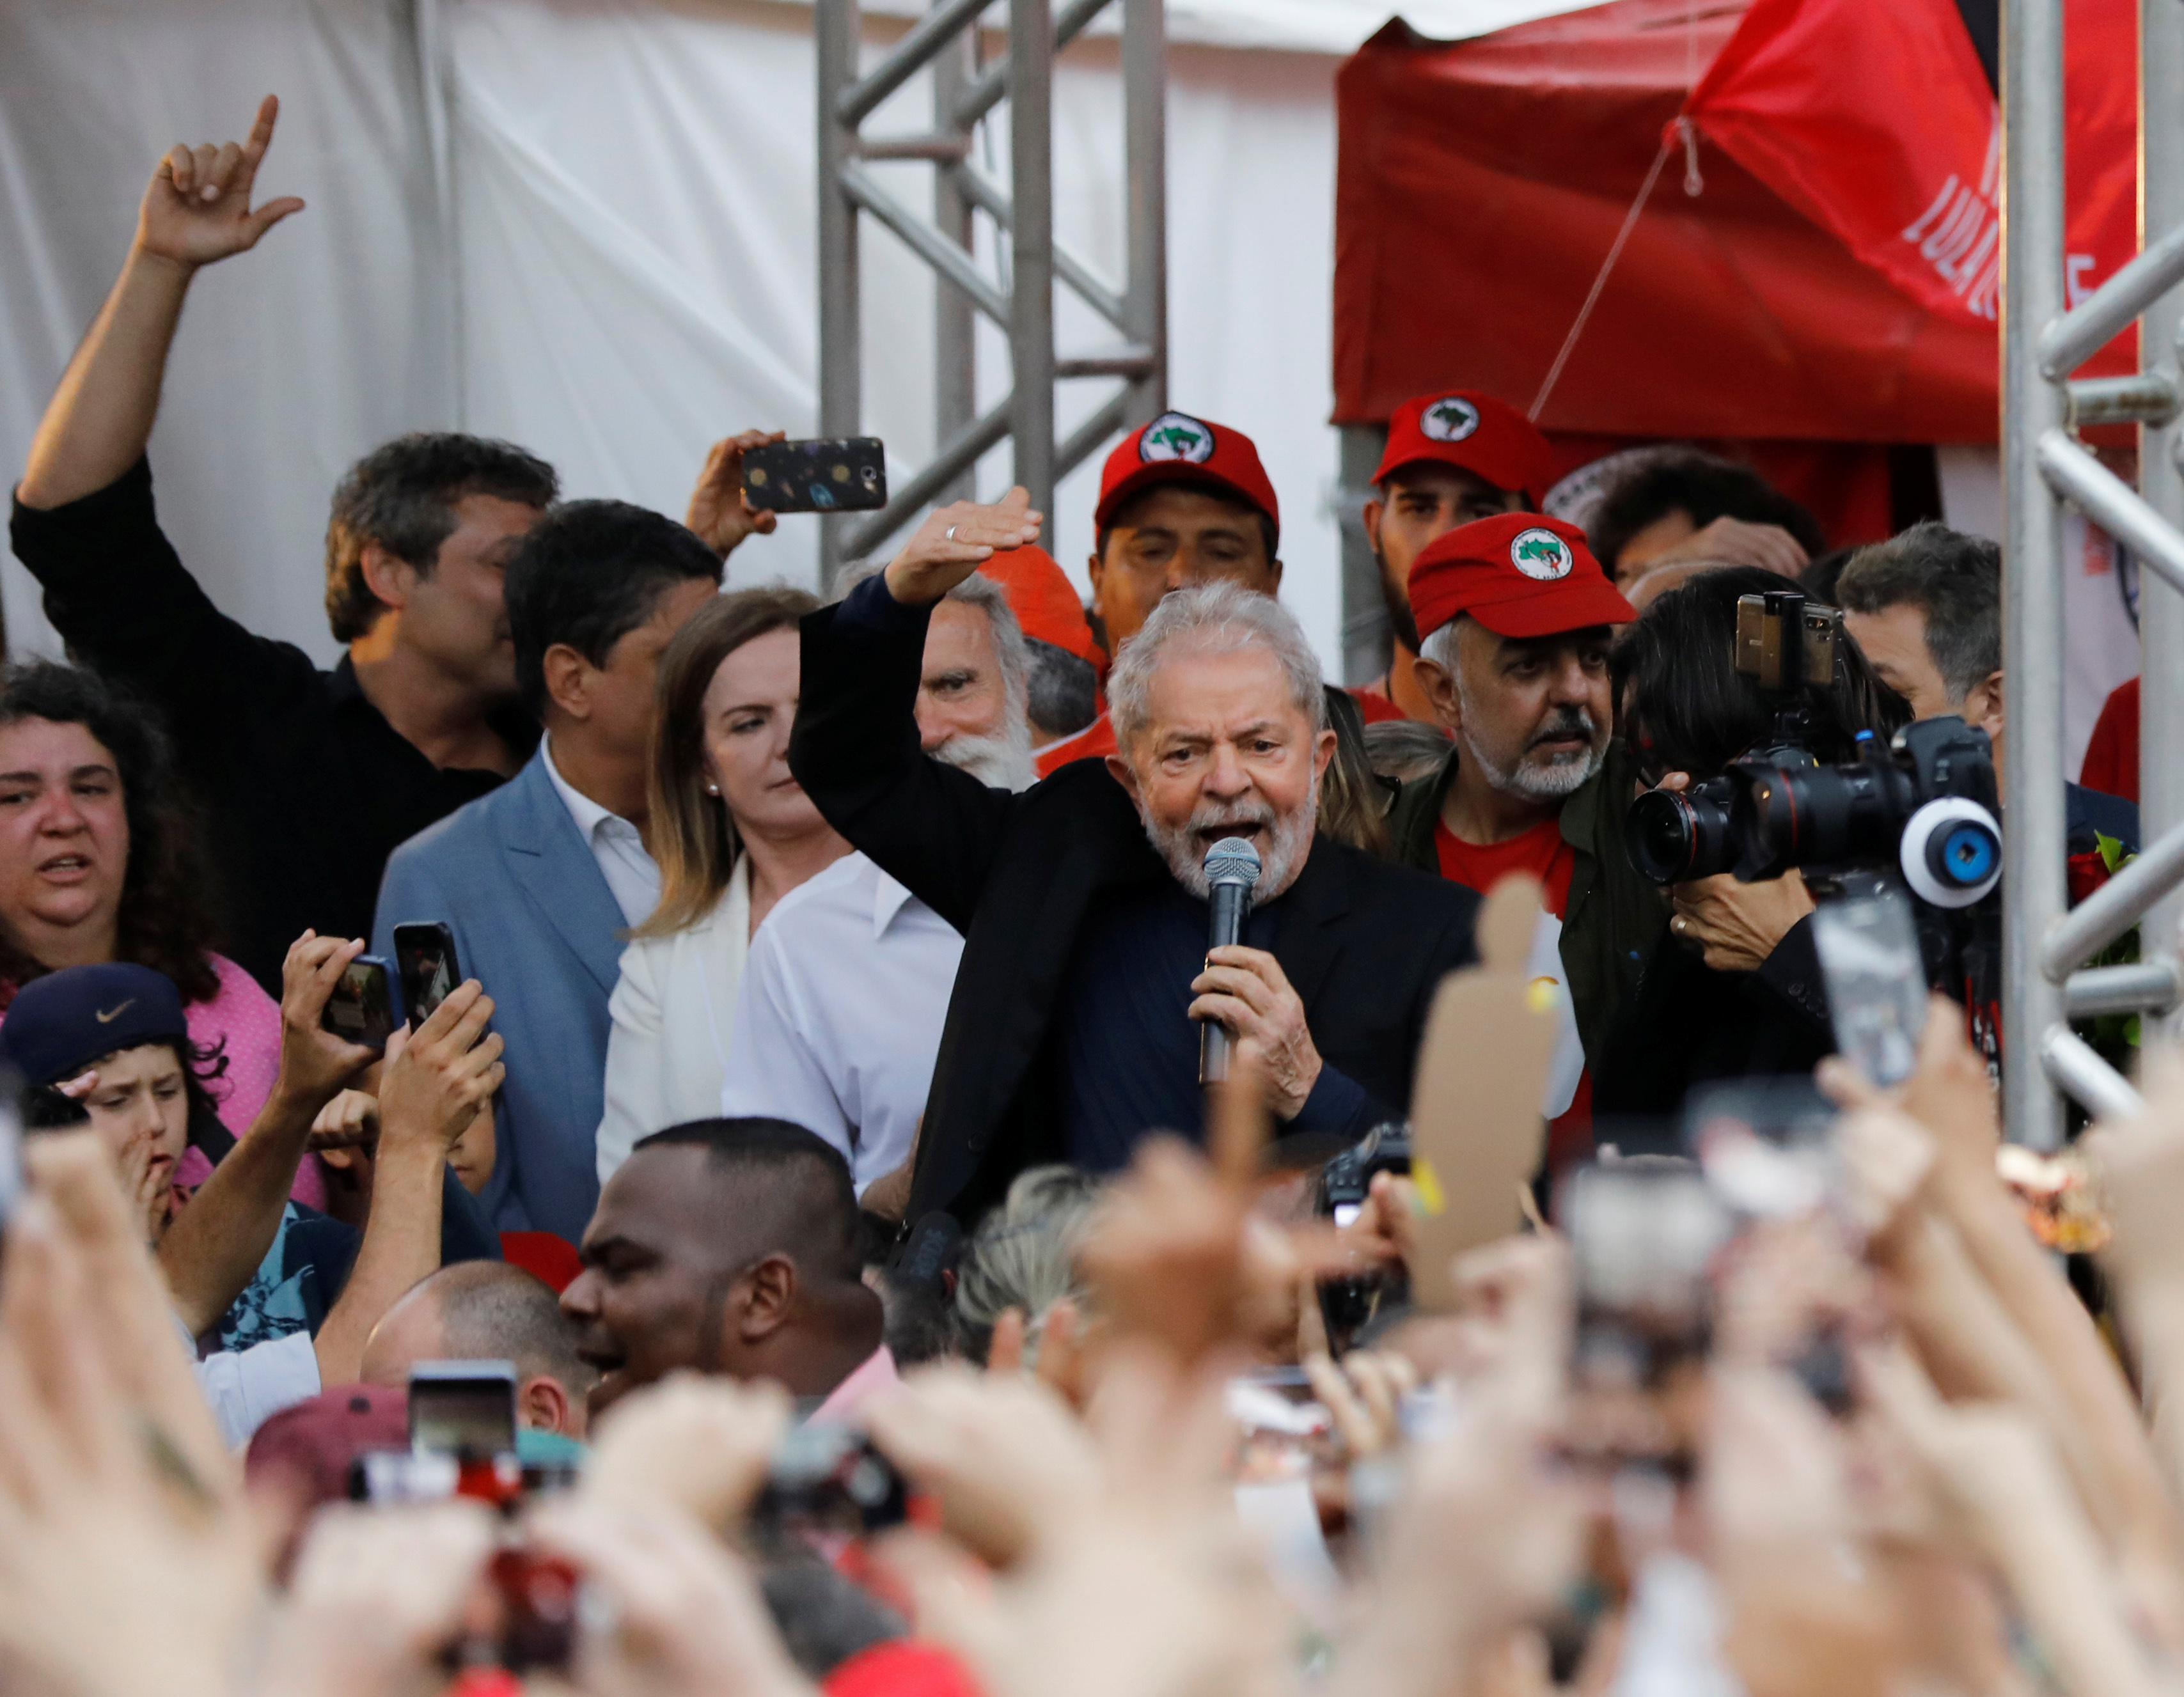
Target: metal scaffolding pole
1031,174
2034,889
954,326
2160,603
835,29
1020,298
2043,466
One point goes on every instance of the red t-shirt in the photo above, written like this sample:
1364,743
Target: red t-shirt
2112,757
1377,706
1540,851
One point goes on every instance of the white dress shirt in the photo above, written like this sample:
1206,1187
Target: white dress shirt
667,1051
838,1020
632,877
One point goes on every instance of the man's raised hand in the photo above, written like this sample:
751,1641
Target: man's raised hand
198,208
956,541
720,514
438,1081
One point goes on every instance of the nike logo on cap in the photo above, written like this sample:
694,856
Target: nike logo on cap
108,1016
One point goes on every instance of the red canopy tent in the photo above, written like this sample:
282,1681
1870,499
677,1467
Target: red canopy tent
1791,311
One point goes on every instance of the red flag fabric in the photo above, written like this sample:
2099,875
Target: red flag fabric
1480,183
1878,124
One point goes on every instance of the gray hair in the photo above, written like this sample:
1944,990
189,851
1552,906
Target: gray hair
1440,644
1023,1253
1955,580
1212,618
1012,658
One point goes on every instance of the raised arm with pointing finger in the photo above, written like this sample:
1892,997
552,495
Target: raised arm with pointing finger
195,212
310,778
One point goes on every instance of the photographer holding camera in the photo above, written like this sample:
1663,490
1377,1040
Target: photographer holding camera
1735,989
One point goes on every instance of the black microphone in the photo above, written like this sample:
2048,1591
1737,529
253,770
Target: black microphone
1232,869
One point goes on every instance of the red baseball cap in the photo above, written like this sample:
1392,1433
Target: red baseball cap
1176,448
1043,600
309,1446
1518,574
1484,436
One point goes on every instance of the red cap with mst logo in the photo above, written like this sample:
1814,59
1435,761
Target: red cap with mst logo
1477,433
1520,574
1176,448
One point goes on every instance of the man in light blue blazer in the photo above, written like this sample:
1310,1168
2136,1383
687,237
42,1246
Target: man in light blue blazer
539,879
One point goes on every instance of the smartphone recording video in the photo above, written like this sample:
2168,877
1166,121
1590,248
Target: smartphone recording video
361,1009
1876,980
425,955
827,1486
1284,1432
1644,1233
819,475
463,1409
1769,1152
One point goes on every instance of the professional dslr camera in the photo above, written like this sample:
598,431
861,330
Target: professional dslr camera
1925,804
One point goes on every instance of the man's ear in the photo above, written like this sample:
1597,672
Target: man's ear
1119,770
388,576
1983,704
543,1405
1323,751
1274,578
568,681
1438,688
1096,569
768,1296
1375,510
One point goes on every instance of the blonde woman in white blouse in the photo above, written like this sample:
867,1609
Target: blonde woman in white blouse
732,832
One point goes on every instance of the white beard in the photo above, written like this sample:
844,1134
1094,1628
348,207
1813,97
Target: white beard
1554,777
1004,761
1282,853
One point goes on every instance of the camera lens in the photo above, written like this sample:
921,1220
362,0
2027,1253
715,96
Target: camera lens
1812,816
1673,835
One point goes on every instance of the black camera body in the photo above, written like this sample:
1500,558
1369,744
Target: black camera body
1348,1305
1925,804
1347,1181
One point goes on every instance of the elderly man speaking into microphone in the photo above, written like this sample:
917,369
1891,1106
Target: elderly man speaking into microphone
1074,1027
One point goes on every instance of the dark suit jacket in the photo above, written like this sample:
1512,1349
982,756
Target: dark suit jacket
1364,943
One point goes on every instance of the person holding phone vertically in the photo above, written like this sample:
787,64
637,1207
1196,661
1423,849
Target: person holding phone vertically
540,882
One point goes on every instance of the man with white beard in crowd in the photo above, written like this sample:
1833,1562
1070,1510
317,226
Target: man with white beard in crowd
1516,619
1073,1028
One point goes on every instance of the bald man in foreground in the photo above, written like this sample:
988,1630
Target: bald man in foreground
488,1311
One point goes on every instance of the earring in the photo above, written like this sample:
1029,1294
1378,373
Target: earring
712,788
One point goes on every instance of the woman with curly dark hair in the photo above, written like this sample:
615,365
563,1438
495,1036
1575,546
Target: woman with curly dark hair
99,862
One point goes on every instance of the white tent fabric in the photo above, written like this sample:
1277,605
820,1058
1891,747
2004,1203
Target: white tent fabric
292,361
589,225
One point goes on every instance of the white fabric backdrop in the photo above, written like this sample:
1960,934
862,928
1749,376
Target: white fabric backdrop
632,259
628,187
292,360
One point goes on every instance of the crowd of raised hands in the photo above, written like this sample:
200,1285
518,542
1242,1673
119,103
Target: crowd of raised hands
1980,1497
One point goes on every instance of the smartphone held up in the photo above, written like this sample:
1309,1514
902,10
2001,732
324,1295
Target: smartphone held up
820,474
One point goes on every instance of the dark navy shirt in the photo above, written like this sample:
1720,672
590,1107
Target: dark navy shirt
1126,1044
